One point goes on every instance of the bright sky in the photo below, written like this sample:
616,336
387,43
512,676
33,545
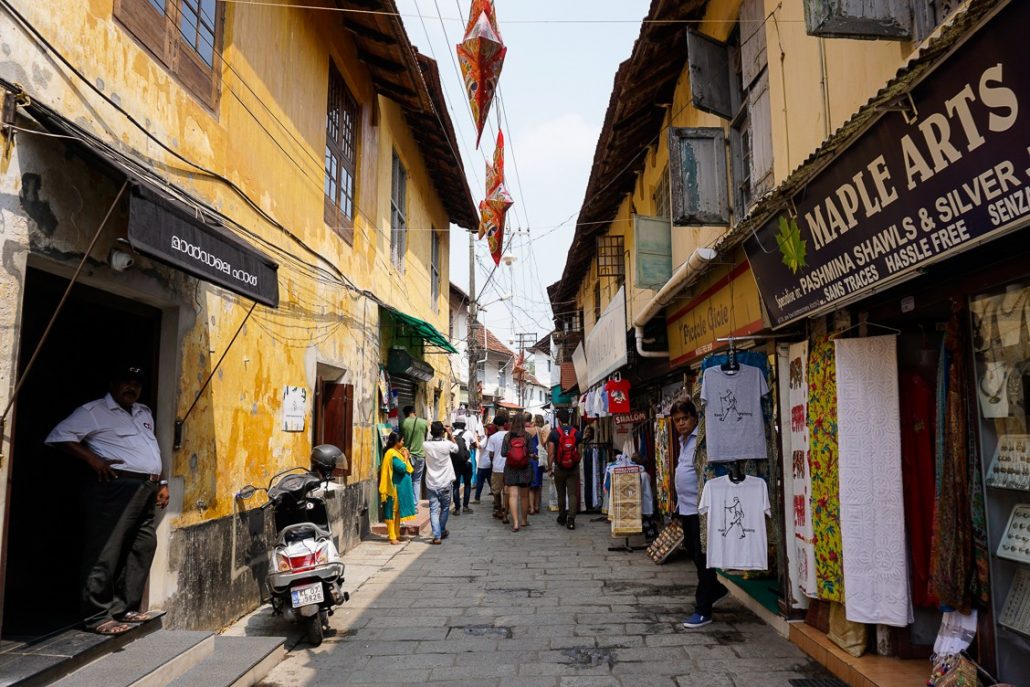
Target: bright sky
557,78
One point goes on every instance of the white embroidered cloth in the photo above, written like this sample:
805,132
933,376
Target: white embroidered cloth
872,514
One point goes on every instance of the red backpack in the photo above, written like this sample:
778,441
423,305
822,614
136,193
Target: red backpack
518,452
567,456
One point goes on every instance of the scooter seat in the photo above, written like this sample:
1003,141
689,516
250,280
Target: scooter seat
301,531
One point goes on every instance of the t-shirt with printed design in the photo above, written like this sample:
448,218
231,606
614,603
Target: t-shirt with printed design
734,425
736,523
618,396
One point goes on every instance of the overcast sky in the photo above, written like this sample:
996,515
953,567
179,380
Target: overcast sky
555,87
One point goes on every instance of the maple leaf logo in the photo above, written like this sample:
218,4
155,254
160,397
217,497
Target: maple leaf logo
792,247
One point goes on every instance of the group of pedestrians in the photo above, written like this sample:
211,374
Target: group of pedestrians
510,456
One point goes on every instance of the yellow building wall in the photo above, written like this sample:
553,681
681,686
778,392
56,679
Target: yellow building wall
267,135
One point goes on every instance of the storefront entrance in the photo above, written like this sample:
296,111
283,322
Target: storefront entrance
95,330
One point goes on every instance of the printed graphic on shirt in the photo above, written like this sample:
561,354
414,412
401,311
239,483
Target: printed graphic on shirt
730,409
734,521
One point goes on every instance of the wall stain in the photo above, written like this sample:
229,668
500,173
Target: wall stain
36,208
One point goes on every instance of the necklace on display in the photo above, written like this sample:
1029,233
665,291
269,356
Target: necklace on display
993,397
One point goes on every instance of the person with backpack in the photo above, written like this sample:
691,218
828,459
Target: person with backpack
563,465
439,450
462,462
518,472
493,451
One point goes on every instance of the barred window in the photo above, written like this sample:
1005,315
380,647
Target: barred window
340,155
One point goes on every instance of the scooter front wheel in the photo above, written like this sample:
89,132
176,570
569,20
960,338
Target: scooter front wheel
314,631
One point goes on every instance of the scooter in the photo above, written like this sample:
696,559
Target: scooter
306,578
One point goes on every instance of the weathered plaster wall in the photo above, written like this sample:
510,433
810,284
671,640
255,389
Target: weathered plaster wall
266,135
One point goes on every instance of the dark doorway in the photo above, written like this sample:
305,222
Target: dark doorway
95,330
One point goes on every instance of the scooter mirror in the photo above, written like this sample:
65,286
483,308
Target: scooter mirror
246,492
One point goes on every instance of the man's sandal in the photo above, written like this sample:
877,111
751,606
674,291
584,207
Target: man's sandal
113,627
139,616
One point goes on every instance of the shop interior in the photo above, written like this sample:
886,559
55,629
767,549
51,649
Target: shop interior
94,331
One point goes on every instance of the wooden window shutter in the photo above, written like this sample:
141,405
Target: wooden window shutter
697,162
754,56
336,424
653,239
709,64
760,112
872,19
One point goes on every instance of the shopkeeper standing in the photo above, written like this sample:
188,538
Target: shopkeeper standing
709,589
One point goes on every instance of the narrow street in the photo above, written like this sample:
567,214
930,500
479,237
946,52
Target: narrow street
545,607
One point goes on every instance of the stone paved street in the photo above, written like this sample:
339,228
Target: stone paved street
545,607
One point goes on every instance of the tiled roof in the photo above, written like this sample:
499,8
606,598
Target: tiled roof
492,342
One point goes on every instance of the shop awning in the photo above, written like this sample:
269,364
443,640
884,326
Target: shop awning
422,329
170,225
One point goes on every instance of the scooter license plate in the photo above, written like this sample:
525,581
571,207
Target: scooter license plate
306,595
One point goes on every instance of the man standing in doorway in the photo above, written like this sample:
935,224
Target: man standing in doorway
563,465
415,430
709,590
114,437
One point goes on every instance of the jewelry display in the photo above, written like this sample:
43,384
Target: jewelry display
1015,543
1016,613
1010,466
992,389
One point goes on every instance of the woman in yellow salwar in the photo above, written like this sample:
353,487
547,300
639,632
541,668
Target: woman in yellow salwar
395,490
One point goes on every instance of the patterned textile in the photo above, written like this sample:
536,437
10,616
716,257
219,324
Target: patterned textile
951,553
872,512
802,573
663,467
822,435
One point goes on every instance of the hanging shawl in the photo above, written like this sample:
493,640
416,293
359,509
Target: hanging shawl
481,56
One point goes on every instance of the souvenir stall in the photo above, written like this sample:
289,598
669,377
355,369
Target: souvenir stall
908,385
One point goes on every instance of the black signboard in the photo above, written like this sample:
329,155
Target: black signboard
943,172
174,234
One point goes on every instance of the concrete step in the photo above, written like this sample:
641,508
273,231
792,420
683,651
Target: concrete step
235,662
412,528
153,661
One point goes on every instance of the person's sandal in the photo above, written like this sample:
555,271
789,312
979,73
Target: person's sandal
435,541
113,627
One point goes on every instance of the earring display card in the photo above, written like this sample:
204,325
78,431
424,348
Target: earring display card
1010,467
668,541
1015,544
1016,613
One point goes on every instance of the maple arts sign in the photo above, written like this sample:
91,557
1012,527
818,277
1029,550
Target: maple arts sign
942,176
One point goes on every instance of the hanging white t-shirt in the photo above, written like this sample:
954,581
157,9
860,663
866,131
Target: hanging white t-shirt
736,523
734,426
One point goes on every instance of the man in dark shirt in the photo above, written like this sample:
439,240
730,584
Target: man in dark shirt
566,479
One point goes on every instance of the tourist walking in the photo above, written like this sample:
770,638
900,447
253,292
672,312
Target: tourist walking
563,465
484,466
439,478
540,434
517,470
414,431
462,462
497,460
395,491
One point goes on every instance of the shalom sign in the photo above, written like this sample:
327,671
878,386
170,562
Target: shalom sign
945,171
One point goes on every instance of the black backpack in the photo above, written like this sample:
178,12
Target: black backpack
463,450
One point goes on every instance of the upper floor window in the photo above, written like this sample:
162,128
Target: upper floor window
597,301
398,211
184,35
341,146
434,268
661,195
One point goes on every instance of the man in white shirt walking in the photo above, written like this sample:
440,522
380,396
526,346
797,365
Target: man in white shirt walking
709,590
497,461
439,478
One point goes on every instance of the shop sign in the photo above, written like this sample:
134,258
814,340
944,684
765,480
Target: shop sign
166,230
606,343
727,305
945,170
630,418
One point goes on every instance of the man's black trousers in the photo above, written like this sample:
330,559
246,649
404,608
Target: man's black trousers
708,586
119,546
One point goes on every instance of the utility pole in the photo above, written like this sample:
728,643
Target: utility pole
473,383
523,338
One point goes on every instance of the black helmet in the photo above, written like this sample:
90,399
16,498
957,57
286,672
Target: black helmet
326,458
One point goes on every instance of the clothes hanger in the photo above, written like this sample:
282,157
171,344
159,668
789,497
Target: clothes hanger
737,472
732,365
837,335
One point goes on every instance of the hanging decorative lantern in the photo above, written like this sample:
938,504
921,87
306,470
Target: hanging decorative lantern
493,209
481,56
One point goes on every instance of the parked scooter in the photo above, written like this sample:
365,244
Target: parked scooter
306,573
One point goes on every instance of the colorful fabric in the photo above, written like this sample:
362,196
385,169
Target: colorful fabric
662,467
395,490
822,434
917,457
802,572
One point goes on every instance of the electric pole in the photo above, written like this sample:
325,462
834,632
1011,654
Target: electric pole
473,383
523,338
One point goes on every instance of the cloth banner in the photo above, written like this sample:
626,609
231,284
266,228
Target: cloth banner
803,560
624,510
663,467
872,514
